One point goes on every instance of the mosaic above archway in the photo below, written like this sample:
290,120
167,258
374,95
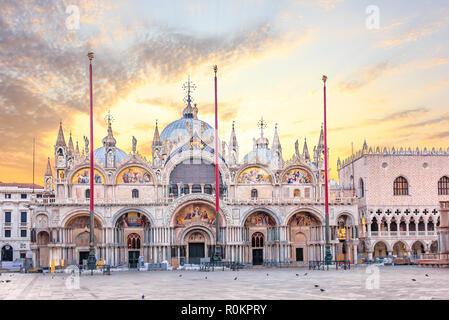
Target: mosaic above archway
195,213
254,175
132,220
82,222
302,219
134,175
259,219
297,176
82,176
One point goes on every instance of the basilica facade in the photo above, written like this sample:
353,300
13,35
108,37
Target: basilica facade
163,209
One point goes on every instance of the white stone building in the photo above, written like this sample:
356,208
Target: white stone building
15,219
398,195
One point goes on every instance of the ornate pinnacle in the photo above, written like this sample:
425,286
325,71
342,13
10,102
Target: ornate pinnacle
90,55
215,68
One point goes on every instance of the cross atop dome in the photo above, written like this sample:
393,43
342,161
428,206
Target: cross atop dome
189,87
109,118
188,111
262,124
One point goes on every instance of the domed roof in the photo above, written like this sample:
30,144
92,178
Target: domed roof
262,156
100,155
184,128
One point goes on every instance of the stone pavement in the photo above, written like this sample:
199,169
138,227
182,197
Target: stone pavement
393,282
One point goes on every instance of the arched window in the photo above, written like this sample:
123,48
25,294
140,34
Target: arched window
185,189
133,241
257,240
208,188
361,188
254,193
443,186
400,187
135,193
196,188
87,193
173,189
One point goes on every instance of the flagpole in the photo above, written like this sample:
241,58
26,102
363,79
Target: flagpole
328,254
91,261
217,251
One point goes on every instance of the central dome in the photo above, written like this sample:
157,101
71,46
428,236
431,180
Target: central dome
183,129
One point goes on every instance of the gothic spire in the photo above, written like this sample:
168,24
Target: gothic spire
156,138
276,143
321,139
60,141
305,150
48,172
77,150
70,146
233,139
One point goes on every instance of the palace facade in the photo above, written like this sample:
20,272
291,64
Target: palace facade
399,193
163,209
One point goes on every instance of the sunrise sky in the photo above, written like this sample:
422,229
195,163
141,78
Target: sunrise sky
387,85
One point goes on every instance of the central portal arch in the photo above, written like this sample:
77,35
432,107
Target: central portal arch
194,225
198,244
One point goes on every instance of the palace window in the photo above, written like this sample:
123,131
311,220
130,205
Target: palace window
87,193
443,186
400,187
254,193
135,193
361,188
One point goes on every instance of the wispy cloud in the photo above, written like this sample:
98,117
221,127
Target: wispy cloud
416,33
364,76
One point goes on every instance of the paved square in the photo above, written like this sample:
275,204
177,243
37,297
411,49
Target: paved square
393,283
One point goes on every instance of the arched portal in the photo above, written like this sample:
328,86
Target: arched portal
399,249
43,252
303,228
198,245
190,246
79,229
131,231
417,249
7,253
380,250
261,228
257,241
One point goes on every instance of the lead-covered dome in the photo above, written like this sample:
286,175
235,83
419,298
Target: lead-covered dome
183,129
